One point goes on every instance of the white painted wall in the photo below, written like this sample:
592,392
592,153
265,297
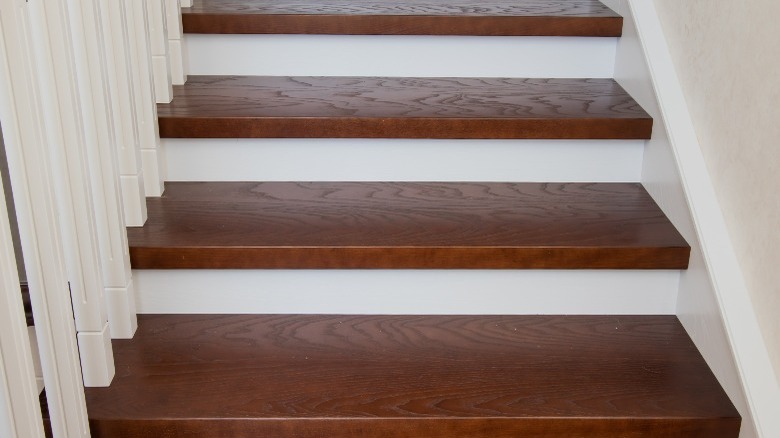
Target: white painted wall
727,58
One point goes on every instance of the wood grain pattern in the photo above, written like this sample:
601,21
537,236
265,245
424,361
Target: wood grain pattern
375,107
410,376
404,17
405,225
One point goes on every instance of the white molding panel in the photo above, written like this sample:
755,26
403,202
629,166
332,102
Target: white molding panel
417,292
371,55
402,160
713,303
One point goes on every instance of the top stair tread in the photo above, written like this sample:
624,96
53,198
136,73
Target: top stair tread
403,17
394,107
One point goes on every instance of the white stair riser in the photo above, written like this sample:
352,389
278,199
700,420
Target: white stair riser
407,291
426,56
402,160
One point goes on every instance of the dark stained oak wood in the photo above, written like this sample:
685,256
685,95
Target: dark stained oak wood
404,17
410,376
375,107
28,312
406,225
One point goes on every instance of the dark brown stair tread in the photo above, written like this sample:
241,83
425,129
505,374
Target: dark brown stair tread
403,17
405,225
410,376
375,107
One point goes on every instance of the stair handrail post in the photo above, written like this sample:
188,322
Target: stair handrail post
94,71
175,35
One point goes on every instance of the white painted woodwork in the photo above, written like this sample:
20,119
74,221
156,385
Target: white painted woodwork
389,160
36,358
143,91
121,305
407,291
123,110
96,366
372,55
175,34
20,414
107,195
74,191
134,199
28,93
186,3
713,302
158,46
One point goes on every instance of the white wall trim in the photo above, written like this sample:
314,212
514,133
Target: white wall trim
735,309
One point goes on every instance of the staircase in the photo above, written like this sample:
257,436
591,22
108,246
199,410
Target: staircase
406,218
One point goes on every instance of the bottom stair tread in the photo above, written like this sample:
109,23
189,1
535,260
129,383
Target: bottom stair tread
427,376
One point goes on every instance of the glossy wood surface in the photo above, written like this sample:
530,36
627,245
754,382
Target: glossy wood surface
410,376
403,17
373,107
405,225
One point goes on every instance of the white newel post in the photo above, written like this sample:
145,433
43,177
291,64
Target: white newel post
101,152
123,109
158,44
175,43
74,191
143,93
34,138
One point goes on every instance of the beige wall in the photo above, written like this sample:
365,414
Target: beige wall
727,56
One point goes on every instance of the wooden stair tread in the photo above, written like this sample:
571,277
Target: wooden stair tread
403,17
376,107
410,376
405,225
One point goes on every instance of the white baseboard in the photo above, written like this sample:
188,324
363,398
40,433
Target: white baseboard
483,292
402,160
373,55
